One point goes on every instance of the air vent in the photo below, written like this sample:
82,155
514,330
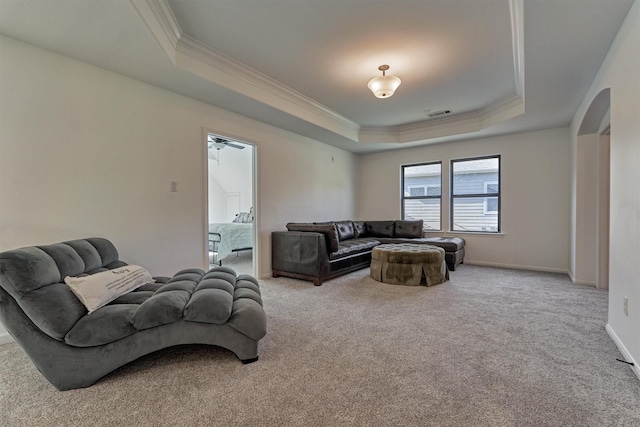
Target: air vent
439,113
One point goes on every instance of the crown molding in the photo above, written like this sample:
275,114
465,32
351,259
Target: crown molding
159,18
199,59
504,109
434,128
516,8
196,58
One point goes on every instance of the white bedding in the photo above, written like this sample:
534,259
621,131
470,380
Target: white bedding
233,236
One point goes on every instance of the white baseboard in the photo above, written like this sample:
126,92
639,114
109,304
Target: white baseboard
625,353
5,338
585,283
517,267
581,282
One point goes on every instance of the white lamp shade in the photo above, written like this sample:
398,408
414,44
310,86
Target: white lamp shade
384,86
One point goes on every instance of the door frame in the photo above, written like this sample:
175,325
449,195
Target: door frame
603,221
254,195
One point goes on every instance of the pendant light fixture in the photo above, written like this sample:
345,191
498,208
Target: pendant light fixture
384,86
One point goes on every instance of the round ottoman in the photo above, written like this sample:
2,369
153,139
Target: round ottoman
409,264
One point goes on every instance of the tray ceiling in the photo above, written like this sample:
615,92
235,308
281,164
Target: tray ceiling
304,66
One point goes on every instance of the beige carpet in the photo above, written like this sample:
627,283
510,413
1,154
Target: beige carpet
490,347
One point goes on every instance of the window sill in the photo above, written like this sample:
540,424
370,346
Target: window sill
462,233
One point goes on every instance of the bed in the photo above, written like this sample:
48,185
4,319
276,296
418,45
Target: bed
230,237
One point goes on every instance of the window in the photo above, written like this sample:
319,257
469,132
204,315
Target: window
422,193
475,194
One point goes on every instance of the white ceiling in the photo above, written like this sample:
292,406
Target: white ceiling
499,66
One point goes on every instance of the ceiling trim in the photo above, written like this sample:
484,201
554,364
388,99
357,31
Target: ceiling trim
199,59
196,58
517,42
506,108
159,18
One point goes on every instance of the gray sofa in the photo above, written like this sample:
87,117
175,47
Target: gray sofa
74,349
321,251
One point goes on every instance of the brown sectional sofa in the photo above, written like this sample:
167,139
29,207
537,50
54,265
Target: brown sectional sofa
322,251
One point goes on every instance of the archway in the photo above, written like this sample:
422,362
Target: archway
592,193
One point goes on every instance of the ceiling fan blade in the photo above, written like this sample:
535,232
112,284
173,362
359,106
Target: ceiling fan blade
240,147
218,143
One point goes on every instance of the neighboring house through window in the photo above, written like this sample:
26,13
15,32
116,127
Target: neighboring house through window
424,190
422,193
475,194
491,203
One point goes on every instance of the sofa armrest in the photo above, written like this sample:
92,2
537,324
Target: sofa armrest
299,252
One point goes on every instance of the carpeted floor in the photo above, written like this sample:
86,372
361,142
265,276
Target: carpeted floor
491,347
241,261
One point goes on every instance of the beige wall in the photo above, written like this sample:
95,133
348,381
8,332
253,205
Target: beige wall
586,210
620,72
535,195
87,152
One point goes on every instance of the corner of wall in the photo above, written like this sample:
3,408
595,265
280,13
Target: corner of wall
623,350
5,338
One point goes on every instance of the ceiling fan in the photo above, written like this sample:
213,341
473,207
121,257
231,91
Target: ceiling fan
220,143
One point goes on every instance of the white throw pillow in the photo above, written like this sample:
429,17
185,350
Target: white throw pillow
99,289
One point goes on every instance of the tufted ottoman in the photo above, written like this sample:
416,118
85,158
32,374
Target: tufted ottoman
409,264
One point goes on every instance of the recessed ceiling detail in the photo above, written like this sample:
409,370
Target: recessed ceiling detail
303,66
193,56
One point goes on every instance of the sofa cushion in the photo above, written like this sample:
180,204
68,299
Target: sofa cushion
345,230
107,324
212,300
359,228
449,244
354,246
88,252
409,229
66,258
53,309
328,229
247,308
379,228
161,309
18,269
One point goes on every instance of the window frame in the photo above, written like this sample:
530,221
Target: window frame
426,196
485,209
453,197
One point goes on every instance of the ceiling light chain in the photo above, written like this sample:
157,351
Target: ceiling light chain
384,86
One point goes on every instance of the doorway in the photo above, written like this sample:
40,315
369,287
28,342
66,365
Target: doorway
230,202
592,220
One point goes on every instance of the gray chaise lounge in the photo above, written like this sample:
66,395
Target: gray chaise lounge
74,349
